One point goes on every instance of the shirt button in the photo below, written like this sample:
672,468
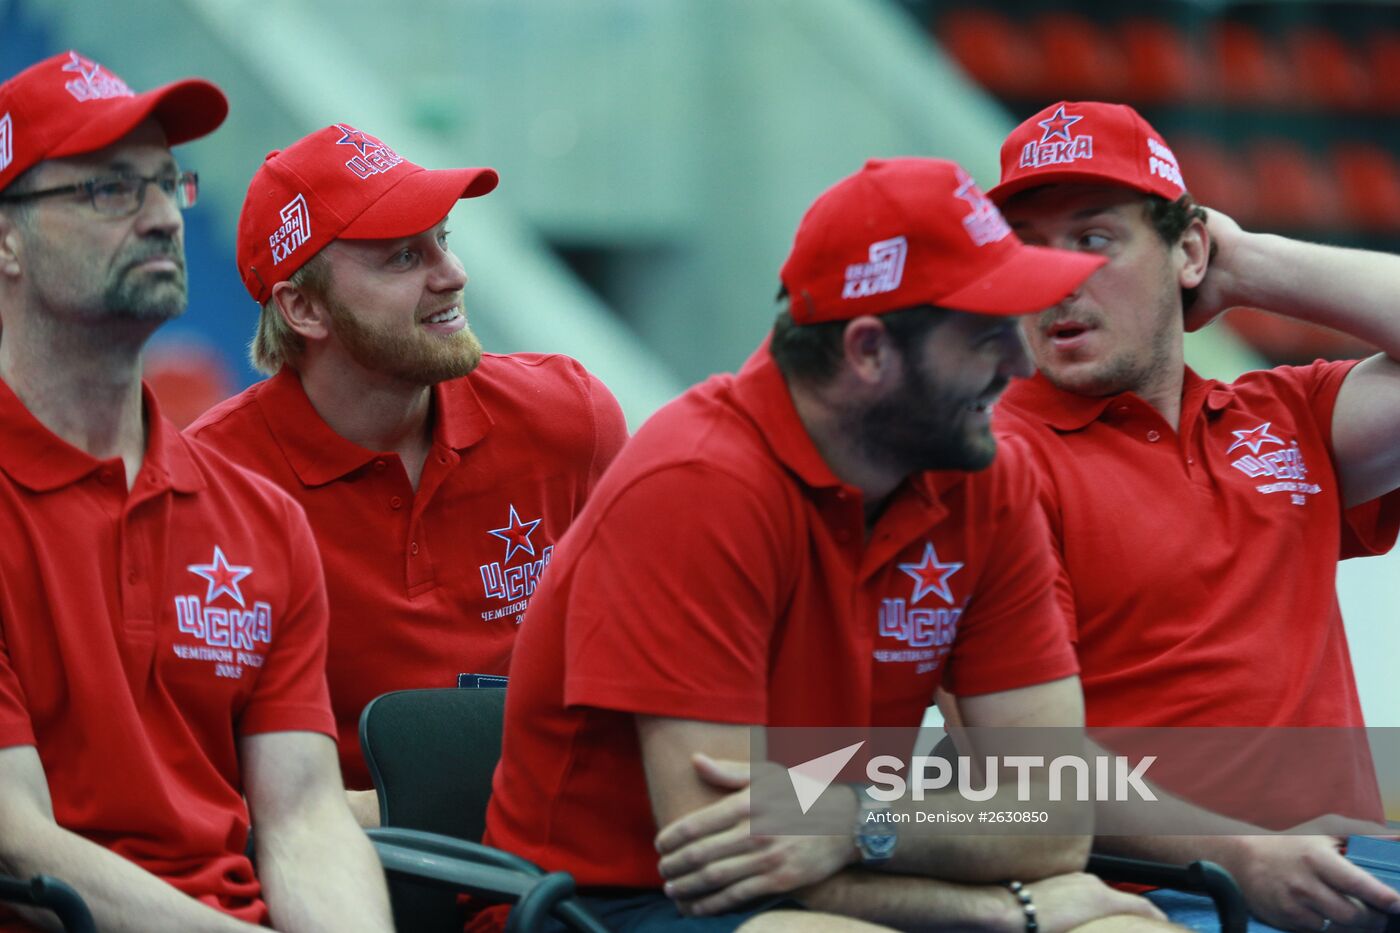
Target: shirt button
380,465
395,503
132,576
105,476
842,495
1154,435
1122,409
442,458
1191,461
413,548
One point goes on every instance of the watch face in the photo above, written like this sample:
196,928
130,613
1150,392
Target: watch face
876,848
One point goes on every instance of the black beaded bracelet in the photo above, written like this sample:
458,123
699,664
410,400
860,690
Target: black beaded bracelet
1023,896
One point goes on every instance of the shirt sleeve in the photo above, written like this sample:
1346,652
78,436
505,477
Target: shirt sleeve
1015,632
684,585
15,725
1371,527
291,694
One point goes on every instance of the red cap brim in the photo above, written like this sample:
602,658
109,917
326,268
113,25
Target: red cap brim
422,199
186,110
1031,279
1003,192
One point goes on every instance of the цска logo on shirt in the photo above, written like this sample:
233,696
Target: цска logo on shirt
1285,466
228,635
929,631
515,583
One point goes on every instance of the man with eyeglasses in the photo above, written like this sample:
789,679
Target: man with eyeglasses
162,612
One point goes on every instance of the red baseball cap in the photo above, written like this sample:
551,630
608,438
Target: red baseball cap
67,105
339,183
911,231
1088,142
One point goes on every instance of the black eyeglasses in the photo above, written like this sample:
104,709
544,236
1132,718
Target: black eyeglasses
121,195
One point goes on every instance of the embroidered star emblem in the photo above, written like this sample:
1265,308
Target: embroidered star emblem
86,67
516,535
223,577
1254,438
356,138
931,576
1057,125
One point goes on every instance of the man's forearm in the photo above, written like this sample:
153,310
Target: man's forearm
1173,850
123,897
1062,903
322,875
981,859
1349,289
909,903
969,856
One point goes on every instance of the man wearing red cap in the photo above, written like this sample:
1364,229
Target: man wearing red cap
1221,509
162,616
437,478
777,548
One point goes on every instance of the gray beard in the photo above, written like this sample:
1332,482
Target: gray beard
131,300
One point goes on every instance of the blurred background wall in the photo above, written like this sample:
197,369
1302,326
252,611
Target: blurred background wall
656,155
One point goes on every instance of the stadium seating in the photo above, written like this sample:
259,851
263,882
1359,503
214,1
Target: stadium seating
1329,73
994,51
1079,59
1294,192
1247,68
1164,66
1369,183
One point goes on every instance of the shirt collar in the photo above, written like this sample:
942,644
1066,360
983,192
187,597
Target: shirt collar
1066,411
763,394
40,460
1210,394
319,455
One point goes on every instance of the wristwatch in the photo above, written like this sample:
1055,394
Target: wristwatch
875,835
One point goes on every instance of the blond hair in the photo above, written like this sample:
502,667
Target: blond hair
274,344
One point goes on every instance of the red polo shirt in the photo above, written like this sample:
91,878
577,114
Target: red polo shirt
431,584
142,633
1200,566
722,573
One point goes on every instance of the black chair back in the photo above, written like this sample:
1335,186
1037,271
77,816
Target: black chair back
431,754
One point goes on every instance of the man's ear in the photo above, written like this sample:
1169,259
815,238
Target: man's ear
301,311
11,248
867,351
1195,254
